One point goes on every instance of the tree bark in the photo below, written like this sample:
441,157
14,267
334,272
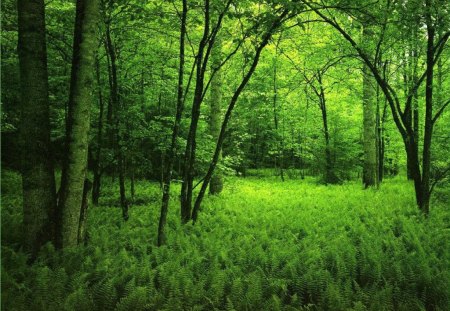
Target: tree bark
77,129
216,184
370,166
82,231
38,181
265,40
428,126
97,164
176,128
191,144
114,111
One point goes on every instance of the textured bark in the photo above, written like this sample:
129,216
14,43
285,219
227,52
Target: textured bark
77,130
176,129
216,184
38,182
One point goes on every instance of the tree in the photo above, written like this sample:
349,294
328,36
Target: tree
38,181
420,167
216,184
370,166
82,89
274,23
175,131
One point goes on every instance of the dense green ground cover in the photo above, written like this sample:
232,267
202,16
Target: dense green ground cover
261,245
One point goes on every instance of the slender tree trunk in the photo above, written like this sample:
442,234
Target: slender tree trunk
191,144
116,124
176,128
77,133
330,178
216,184
370,167
275,112
382,143
97,165
265,40
122,189
428,127
82,231
132,181
38,181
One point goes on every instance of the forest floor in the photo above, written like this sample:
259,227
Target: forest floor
262,244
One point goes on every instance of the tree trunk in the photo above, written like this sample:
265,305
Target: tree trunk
330,177
265,40
278,158
370,166
77,129
115,134
97,164
176,128
82,233
191,144
428,127
216,184
38,181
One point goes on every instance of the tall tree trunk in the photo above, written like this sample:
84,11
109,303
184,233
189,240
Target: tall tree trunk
77,129
216,184
176,129
191,144
265,40
97,164
278,158
82,224
115,109
370,166
382,143
38,181
330,178
428,127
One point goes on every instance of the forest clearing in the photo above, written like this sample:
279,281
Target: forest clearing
261,245
225,155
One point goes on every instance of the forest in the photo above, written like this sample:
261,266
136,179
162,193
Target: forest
225,155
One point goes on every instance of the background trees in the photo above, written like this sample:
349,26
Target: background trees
291,78
296,115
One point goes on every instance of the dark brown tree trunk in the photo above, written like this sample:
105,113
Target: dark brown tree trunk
77,129
38,181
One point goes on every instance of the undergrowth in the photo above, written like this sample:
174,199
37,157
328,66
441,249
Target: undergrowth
261,245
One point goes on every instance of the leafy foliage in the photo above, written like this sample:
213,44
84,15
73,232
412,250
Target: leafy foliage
260,245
